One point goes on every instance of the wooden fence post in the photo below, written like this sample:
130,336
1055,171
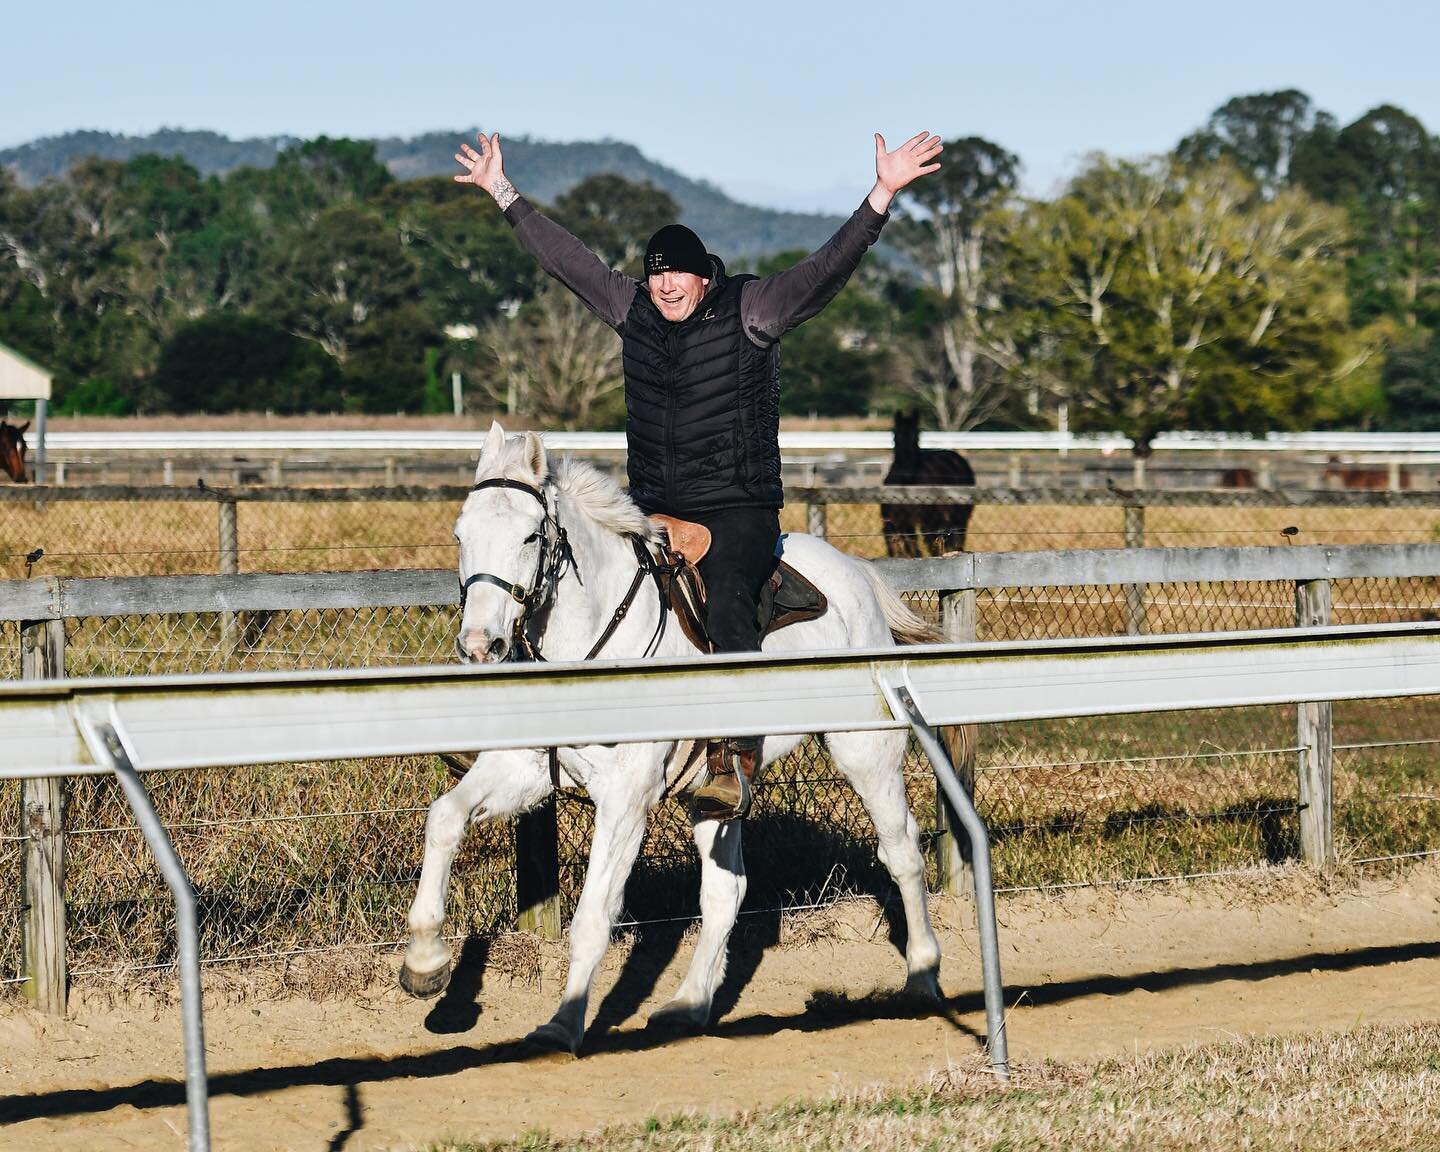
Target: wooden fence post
952,846
537,868
229,566
42,816
1313,736
1135,593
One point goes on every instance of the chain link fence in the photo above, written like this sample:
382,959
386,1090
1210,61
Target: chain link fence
161,531
319,856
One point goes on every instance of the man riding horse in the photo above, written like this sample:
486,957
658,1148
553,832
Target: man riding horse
702,390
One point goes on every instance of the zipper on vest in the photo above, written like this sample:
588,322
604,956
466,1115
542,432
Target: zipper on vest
672,353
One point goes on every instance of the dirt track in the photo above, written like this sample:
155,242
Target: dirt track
805,1013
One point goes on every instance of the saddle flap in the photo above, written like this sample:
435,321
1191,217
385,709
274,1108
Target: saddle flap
788,598
686,539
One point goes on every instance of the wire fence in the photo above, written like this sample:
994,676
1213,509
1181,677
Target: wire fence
317,856
164,531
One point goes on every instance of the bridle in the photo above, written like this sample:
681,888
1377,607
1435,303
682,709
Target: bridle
555,560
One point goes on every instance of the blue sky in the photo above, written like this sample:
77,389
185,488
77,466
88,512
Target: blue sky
773,101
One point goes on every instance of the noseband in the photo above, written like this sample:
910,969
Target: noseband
555,556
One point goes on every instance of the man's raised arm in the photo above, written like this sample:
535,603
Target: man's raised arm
600,288
776,304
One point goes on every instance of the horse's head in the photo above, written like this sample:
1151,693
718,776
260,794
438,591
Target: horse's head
507,539
12,451
907,432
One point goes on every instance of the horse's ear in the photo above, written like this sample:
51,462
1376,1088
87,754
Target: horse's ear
21,427
491,450
535,458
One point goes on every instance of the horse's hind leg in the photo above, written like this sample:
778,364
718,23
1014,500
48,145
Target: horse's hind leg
623,794
871,761
499,784
722,891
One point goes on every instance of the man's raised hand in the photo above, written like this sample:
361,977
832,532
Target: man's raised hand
894,170
486,168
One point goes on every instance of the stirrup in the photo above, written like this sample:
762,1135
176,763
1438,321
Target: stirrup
726,795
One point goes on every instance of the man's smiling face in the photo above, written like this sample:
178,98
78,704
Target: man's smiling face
677,293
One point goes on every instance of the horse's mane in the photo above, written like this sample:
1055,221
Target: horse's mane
601,499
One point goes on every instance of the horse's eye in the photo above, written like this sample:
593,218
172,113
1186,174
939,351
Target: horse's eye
534,536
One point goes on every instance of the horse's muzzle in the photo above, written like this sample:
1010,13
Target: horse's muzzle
482,648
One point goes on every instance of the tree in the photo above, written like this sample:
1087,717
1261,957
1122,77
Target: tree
556,361
615,217
230,362
1177,298
468,261
1259,134
340,279
830,365
960,217
1411,380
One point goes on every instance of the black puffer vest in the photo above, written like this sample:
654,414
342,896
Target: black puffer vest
702,407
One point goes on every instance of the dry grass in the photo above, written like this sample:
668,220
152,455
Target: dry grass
1372,1088
133,539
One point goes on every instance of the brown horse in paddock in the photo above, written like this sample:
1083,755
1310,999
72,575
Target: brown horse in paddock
924,529
12,451
1373,477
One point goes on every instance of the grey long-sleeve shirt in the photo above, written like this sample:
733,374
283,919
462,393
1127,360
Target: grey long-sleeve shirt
769,307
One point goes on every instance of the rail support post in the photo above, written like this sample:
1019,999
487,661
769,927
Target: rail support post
815,519
42,822
1314,738
952,846
1135,593
106,745
537,867
903,707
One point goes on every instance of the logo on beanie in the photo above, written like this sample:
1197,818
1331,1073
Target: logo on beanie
657,262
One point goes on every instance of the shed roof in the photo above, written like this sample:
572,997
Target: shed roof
21,378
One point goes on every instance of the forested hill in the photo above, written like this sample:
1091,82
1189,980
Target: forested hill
542,170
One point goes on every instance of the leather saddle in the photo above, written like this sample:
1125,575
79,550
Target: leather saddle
787,597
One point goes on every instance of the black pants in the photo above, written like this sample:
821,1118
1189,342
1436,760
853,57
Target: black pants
740,560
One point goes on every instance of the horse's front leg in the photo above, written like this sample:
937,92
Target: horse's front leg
498,784
722,891
624,781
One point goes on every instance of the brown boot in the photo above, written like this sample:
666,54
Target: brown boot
731,763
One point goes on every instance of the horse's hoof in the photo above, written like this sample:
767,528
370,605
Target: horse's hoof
678,1017
424,985
553,1042
924,987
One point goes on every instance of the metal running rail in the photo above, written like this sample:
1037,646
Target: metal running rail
127,727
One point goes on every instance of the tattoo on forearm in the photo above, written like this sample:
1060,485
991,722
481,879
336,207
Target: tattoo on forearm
504,193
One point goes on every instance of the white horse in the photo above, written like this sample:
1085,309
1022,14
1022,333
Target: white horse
524,521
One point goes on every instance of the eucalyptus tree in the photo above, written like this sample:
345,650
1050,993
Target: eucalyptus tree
1261,134
615,217
957,232
1176,297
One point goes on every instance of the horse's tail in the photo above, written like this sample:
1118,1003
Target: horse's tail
905,626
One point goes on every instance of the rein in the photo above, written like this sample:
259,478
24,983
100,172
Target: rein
556,557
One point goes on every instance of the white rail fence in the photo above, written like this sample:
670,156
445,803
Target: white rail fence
59,728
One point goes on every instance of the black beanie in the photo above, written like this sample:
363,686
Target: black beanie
677,249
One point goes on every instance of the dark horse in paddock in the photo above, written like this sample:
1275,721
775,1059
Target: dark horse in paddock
12,451
924,529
